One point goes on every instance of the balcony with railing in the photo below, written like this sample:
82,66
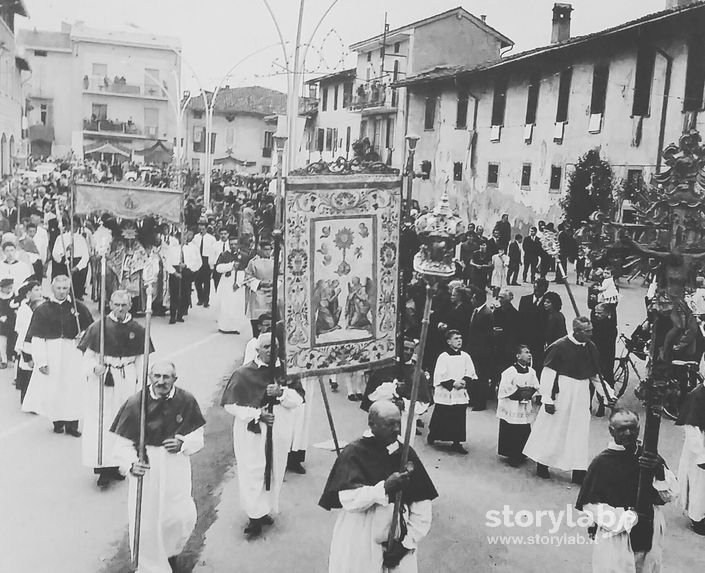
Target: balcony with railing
120,128
374,97
119,86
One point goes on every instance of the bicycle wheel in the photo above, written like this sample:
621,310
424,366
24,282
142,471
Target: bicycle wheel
621,376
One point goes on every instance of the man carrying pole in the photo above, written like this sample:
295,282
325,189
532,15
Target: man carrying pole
113,358
364,483
165,515
247,397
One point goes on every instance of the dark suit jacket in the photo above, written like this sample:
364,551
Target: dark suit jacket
480,334
514,254
532,319
532,249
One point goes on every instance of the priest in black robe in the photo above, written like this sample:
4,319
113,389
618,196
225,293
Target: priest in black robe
119,373
561,433
625,541
55,389
250,392
363,484
174,432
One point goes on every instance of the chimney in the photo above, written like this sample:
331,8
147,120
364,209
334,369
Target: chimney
561,22
483,17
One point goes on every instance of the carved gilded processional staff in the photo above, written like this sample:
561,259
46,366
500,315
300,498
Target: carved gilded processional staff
670,229
438,232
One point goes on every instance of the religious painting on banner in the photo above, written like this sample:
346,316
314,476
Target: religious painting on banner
341,276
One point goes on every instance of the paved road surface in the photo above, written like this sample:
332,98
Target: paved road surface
55,520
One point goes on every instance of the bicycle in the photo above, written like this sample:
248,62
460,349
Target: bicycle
687,375
623,362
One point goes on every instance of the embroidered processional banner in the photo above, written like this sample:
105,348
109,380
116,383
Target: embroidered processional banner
129,202
341,276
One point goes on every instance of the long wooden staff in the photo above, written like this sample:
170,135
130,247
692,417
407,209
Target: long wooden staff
329,414
410,426
68,265
101,380
268,447
142,448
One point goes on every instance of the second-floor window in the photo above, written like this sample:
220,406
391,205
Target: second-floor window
199,139
324,98
499,101
461,115
335,97
347,94
600,78
645,60
320,139
329,139
565,80
151,81
695,74
532,102
429,113
151,121
99,111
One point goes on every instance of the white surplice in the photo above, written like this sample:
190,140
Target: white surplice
561,440
302,416
57,395
363,525
249,453
690,477
612,551
229,303
168,510
125,372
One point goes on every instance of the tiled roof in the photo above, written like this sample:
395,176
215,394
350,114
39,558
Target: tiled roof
481,23
449,72
342,75
253,100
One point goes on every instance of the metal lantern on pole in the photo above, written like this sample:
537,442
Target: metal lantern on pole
411,141
439,232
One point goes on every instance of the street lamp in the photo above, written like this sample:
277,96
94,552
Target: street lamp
411,141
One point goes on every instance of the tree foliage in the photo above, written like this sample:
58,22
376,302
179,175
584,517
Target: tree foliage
590,189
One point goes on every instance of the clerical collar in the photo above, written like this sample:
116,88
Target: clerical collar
452,352
259,363
52,298
169,396
128,318
391,448
521,369
612,445
574,341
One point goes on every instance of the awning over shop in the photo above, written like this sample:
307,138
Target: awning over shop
230,160
158,153
107,147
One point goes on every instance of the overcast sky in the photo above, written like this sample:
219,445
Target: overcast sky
215,34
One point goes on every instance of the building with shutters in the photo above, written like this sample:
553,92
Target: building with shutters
13,70
363,102
99,93
503,137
